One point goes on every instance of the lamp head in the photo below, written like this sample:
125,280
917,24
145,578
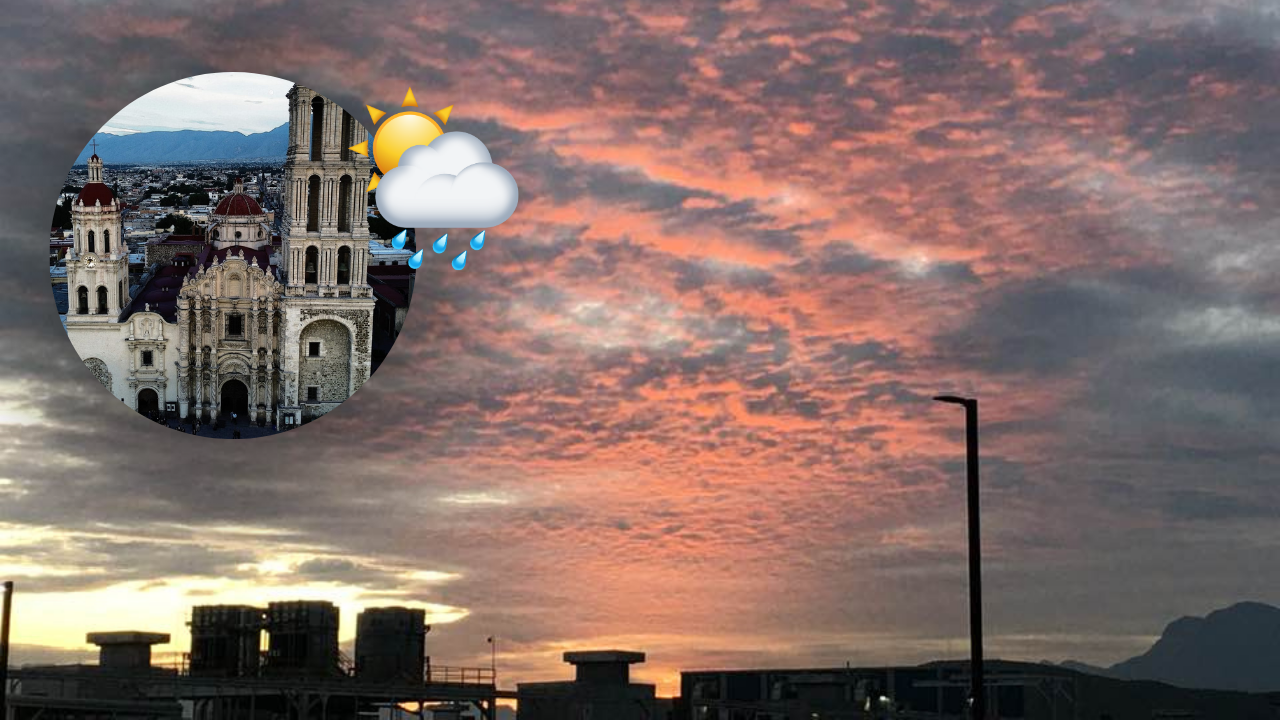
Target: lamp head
955,400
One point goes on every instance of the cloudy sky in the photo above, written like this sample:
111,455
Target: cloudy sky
679,402
233,101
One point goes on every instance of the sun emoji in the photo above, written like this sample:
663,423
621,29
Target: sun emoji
399,133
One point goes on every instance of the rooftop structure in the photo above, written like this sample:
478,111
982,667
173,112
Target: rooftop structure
606,667
125,649
391,644
602,689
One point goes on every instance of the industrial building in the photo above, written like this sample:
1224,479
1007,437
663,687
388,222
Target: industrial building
602,690
302,640
391,644
1015,691
91,691
226,640
299,673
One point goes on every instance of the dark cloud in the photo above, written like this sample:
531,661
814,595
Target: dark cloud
1210,506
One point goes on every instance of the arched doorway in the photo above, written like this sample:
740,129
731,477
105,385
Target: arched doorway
148,402
235,399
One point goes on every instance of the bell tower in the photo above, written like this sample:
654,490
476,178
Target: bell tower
98,264
328,303
326,199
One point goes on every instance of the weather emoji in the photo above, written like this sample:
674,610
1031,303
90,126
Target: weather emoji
433,178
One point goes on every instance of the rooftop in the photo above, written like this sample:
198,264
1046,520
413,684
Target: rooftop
583,657
127,637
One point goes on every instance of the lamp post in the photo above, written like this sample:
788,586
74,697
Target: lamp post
977,690
493,658
5,615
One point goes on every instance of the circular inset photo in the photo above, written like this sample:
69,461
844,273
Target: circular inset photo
218,261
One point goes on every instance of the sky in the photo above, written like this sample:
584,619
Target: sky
233,101
680,401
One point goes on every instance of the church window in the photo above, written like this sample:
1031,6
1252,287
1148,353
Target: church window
317,127
91,242
313,203
344,204
106,241
102,300
313,349
237,234
235,325
82,301
120,292
310,272
313,393
215,234
344,265
259,233
348,134
147,358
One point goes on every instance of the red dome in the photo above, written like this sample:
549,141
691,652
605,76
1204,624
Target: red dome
93,192
238,204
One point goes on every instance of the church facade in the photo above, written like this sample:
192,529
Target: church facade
276,328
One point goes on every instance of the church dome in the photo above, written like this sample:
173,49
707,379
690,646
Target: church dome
94,192
238,203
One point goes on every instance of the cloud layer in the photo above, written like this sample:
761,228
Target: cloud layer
683,405
450,183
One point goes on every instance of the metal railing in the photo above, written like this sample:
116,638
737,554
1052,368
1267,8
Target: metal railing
445,675
179,663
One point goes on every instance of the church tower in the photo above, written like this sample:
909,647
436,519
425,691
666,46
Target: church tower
98,264
328,304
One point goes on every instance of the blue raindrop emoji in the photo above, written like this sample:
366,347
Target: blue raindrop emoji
415,262
460,261
477,242
440,244
397,242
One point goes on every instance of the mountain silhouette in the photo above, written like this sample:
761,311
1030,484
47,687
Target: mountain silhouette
1236,648
179,146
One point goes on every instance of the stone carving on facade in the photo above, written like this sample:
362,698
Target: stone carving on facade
149,327
234,365
100,371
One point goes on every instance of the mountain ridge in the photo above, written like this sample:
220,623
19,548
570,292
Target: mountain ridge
176,146
1232,648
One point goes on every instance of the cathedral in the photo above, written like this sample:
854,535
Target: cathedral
274,327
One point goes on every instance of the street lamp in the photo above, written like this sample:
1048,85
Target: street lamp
493,658
5,614
977,692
